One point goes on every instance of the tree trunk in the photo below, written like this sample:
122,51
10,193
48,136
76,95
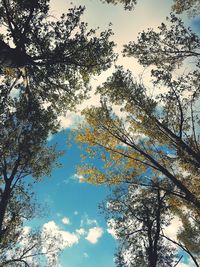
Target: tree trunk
13,57
3,206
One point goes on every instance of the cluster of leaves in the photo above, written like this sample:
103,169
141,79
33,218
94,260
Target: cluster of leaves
128,4
166,48
192,7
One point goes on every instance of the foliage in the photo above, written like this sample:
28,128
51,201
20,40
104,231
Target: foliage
128,4
166,48
25,157
20,245
138,217
192,7
46,64
131,156
189,233
58,56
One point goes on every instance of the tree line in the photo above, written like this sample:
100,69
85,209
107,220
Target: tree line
151,150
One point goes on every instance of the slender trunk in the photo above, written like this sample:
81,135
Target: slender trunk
3,206
152,261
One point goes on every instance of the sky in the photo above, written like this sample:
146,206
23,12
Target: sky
72,206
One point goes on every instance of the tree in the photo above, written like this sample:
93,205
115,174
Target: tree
45,65
189,233
162,148
148,135
57,57
167,123
25,158
30,251
138,217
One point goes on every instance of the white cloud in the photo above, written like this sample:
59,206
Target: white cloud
94,234
85,255
76,212
66,239
70,120
183,265
77,177
81,231
65,220
171,230
189,263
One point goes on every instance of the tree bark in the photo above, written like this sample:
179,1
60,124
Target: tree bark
13,57
3,205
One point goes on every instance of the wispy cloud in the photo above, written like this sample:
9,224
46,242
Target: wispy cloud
85,255
81,231
70,120
65,220
172,229
88,221
76,178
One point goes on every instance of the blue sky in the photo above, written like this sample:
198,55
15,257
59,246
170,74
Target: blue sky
72,207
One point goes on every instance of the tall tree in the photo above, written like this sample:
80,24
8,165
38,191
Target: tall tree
45,66
25,157
164,147
138,217
151,128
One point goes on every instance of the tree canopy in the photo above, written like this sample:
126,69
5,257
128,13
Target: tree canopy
25,157
58,55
